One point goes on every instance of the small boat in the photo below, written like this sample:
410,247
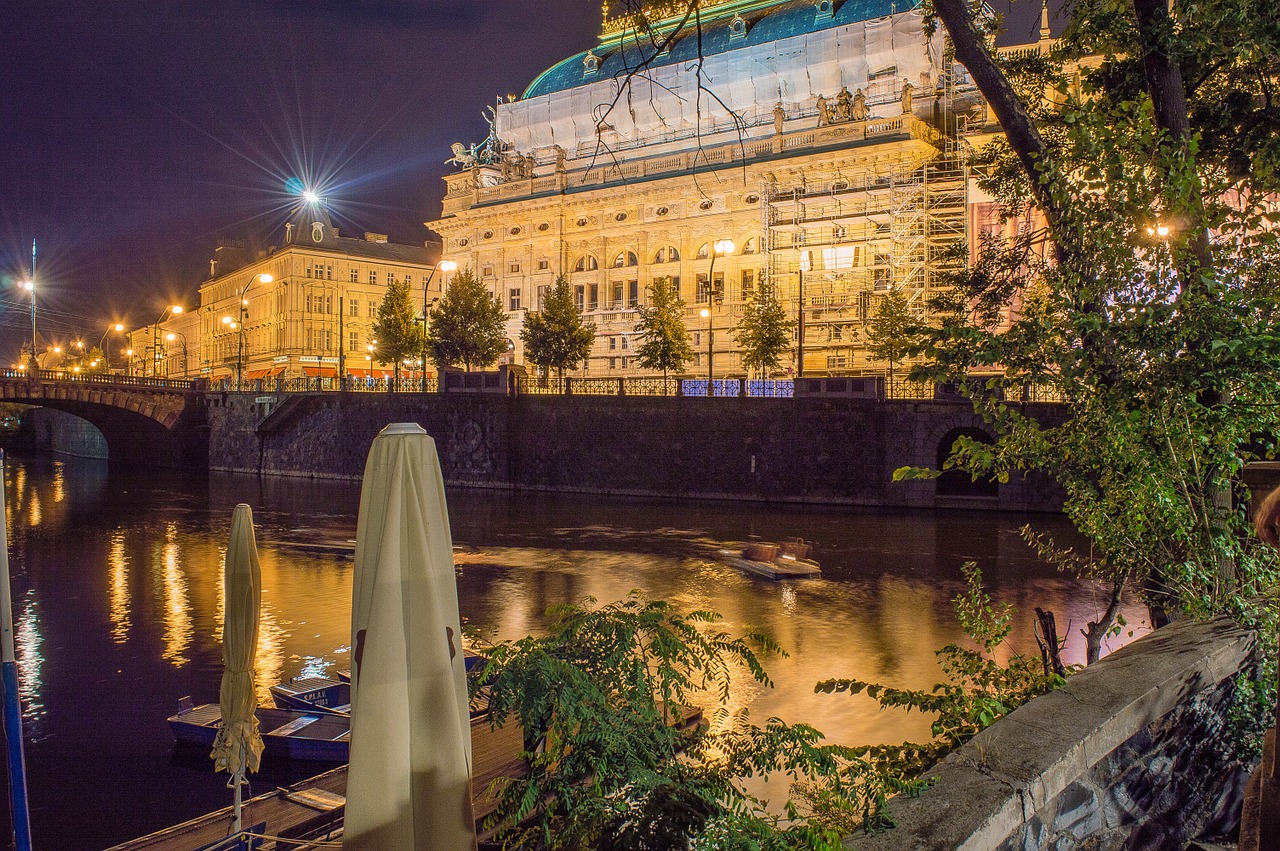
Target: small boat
470,660
286,733
314,694
786,560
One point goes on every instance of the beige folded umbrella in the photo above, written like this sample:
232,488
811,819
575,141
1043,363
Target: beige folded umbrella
238,746
409,785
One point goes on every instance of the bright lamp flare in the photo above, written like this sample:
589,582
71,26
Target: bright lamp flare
311,197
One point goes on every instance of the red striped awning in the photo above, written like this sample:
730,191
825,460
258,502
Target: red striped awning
257,373
319,372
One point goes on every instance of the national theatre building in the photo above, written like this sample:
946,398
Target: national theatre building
820,137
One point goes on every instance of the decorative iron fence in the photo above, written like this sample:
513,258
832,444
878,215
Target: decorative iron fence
97,378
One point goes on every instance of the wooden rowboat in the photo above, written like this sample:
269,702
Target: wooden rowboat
286,733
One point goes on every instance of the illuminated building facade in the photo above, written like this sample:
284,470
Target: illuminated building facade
822,138
306,309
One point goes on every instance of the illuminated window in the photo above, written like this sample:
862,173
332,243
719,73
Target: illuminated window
586,263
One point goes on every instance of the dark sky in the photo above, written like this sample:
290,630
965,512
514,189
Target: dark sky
134,134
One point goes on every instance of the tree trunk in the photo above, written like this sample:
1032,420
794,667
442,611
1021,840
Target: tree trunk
1046,633
1096,631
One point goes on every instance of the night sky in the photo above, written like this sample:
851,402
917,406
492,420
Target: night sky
135,134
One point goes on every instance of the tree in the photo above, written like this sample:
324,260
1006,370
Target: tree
395,328
95,361
664,341
555,337
1152,316
764,332
889,333
468,326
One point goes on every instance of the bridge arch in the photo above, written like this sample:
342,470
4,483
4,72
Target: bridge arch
957,482
148,423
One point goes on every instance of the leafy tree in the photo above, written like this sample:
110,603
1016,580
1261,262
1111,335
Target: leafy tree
764,332
396,328
600,700
468,326
664,341
555,337
95,354
889,331
1152,317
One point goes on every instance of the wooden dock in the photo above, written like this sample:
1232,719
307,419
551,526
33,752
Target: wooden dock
316,806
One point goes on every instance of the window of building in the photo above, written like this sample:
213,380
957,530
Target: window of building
486,271
586,263
579,297
353,341
838,361
373,276
544,265
355,307
626,343
616,303
625,361
748,282
354,275
613,343
633,294
328,304
319,273
883,275
328,273
513,268
704,251
751,246
613,363
703,293
669,254
308,309
542,295
513,298
625,258
307,269
593,297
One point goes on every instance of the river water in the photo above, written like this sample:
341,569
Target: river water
118,603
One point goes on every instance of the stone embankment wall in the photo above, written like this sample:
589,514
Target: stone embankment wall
815,450
1132,753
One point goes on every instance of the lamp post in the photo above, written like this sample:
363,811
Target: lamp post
722,246
128,363
244,314
445,266
30,286
102,344
174,310
171,336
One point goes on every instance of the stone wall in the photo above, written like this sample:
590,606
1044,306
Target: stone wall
813,450
1130,754
50,430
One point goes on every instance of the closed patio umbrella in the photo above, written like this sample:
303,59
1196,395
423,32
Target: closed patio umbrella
409,783
238,746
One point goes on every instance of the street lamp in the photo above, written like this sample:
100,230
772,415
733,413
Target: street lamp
445,266
174,310
171,336
30,286
106,355
244,313
722,246
128,363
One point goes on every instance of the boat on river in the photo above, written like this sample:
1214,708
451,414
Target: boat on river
788,559
286,733
314,694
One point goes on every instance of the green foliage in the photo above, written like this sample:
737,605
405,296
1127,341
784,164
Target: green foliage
395,327
468,326
664,341
599,699
555,337
1253,709
1160,344
764,332
978,691
890,331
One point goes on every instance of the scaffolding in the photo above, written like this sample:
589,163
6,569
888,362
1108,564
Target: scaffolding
841,245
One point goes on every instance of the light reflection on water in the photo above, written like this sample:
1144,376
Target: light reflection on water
121,583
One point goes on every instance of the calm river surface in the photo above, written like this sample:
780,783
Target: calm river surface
118,603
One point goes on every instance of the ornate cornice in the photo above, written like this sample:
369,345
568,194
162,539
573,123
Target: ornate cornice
660,16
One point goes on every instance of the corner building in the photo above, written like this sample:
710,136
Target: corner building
821,137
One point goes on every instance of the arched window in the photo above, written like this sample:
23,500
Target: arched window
668,254
704,251
586,263
625,258
750,246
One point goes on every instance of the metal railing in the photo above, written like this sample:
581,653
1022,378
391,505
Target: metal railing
97,378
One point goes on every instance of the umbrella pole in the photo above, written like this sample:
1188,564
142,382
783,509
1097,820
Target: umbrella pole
238,779
12,705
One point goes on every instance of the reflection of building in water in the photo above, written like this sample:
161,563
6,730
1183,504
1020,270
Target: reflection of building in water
177,607
118,588
28,647
825,146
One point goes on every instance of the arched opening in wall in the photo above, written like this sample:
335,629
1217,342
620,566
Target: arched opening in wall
47,430
958,482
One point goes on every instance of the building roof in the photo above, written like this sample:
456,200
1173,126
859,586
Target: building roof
764,25
308,222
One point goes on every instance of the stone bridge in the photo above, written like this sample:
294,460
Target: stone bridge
145,421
